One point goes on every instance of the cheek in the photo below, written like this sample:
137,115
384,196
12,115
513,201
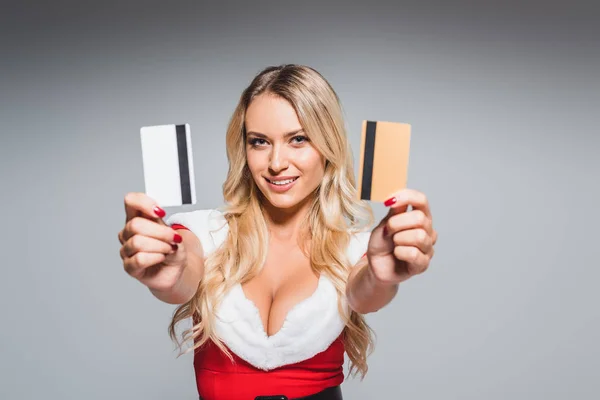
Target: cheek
254,161
312,163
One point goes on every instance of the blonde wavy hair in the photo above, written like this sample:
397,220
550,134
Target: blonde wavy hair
335,212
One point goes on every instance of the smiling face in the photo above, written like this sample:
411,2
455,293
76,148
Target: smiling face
285,165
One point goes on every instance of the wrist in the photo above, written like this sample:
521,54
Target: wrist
180,290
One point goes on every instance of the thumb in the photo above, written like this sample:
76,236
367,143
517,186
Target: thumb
391,212
141,205
381,243
381,231
396,209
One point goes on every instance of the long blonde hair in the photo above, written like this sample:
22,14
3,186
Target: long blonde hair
334,214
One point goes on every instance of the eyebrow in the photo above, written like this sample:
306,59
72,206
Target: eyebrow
262,135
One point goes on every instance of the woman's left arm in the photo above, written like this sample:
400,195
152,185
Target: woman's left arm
400,247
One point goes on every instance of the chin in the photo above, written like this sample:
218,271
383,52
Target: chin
282,203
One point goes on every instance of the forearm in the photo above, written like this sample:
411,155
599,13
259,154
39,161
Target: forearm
186,286
365,293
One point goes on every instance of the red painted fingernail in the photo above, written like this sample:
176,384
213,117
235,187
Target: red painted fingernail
174,247
389,201
159,211
177,238
385,231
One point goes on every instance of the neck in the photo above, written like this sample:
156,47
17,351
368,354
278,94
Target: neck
284,224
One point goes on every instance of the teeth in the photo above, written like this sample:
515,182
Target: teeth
282,182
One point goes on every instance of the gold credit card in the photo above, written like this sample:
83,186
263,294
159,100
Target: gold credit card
384,151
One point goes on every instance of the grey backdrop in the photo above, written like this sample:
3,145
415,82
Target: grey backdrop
504,102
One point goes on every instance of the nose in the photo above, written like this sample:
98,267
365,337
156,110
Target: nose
278,160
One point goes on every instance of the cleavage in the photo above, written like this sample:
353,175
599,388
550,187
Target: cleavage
285,281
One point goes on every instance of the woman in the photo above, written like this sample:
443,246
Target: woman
278,280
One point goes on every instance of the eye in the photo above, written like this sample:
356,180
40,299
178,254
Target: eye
257,142
299,139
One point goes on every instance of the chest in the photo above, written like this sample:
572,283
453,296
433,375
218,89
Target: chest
308,329
286,280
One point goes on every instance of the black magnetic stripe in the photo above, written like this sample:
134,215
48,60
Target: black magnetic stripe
184,168
368,157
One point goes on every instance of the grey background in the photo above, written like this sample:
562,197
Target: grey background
503,99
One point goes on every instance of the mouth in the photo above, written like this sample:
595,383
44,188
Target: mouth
282,182
281,185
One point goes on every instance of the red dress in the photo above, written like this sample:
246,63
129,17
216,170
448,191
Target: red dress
218,378
305,357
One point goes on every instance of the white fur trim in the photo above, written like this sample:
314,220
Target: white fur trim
309,328
357,246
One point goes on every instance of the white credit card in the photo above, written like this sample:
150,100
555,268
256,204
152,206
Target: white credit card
168,164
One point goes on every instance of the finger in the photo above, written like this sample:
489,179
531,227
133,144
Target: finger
414,237
400,201
414,219
416,260
121,239
140,243
124,253
145,227
140,205
136,265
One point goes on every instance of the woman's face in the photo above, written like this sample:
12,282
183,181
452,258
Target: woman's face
283,162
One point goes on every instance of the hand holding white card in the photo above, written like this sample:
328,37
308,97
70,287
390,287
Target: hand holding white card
168,164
